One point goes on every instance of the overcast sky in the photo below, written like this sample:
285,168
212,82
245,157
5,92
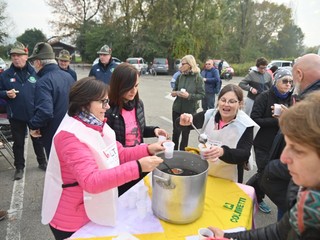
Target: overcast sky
29,14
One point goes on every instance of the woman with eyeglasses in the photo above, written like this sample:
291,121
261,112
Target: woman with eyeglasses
188,90
87,164
126,113
229,126
301,128
263,114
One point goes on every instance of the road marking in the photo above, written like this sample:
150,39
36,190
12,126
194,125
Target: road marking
166,119
16,205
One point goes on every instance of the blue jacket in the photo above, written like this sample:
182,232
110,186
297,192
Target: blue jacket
102,72
51,101
24,80
71,72
213,79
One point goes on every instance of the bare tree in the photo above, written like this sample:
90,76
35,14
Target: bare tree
3,27
71,15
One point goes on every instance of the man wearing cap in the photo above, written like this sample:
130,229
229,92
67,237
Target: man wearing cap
17,87
103,70
64,63
51,96
262,114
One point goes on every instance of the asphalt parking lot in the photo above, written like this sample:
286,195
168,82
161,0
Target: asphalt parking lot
23,198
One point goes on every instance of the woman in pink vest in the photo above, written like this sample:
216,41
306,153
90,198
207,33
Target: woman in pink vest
87,164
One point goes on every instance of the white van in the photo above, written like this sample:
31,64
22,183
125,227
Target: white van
139,63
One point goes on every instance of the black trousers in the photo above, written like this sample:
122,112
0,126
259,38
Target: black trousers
19,131
177,132
254,181
60,235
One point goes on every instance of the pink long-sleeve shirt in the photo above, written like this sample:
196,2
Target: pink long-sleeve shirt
78,165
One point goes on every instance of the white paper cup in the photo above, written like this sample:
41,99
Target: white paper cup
204,233
132,200
142,209
183,90
203,148
162,138
277,109
169,148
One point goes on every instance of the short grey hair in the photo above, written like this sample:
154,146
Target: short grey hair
44,62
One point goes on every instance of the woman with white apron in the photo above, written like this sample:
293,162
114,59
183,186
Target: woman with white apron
87,164
230,133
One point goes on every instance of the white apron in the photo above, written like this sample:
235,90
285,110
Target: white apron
101,207
229,136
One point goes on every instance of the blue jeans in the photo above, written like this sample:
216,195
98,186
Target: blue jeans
208,101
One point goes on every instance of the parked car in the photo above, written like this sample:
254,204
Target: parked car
3,65
139,63
114,59
278,63
160,65
227,71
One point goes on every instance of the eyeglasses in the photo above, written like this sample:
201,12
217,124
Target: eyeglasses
105,102
184,64
208,63
230,101
286,81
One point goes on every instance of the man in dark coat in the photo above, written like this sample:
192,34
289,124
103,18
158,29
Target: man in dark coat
51,94
17,87
64,59
103,69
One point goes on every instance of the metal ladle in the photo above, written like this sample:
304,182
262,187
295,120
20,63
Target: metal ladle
202,138
173,171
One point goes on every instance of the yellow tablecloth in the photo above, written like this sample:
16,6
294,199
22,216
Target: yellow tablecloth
226,206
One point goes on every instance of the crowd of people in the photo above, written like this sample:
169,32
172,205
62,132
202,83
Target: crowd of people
88,134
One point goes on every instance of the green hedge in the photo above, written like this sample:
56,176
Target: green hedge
242,69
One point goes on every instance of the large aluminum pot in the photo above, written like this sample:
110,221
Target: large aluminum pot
179,198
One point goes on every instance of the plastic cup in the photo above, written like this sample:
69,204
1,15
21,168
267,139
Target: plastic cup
142,209
204,233
169,148
162,138
203,148
277,109
215,144
142,193
183,90
132,199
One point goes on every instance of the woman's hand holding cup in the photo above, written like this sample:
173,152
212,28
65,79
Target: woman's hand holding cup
149,163
154,148
214,153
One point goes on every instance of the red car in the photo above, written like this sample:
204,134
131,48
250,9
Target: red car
227,71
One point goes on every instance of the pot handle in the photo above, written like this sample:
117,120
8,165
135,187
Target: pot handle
166,183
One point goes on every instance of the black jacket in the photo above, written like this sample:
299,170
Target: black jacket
275,180
262,115
116,122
